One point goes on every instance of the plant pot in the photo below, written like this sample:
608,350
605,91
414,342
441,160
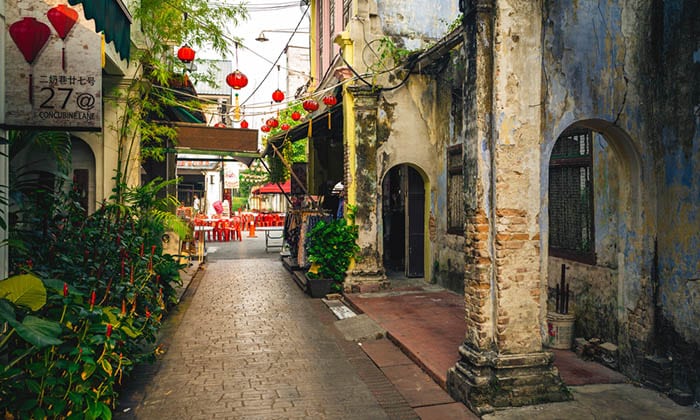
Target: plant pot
318,288
560,328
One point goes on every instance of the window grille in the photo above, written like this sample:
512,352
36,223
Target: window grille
571,228
455,191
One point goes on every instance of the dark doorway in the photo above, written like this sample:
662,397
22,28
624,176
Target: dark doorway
403,218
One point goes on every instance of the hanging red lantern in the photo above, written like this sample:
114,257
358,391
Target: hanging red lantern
330,100
272,122
244,124
296,116
30,35
62,18
237,80
278,96
185,54
265,128
285,126
220,125
310,105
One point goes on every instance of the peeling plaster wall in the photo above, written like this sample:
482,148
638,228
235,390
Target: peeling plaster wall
416,23
421,142
629,70
594,71
678,169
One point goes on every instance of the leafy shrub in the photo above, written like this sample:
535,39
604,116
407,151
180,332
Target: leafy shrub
330,247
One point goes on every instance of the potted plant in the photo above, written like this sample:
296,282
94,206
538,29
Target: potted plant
330,246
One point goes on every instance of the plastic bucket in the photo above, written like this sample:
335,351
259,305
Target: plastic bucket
560,330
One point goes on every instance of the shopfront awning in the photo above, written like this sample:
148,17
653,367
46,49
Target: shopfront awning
274,188
202,139
113,19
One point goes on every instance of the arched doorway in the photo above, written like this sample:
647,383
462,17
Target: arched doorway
403,220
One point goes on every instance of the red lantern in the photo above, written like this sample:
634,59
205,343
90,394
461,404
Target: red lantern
272,122
62,18
244,124
296,116
30,35
285,126
237,80
330,100
278,96
265,128
310,105
220,125
185,54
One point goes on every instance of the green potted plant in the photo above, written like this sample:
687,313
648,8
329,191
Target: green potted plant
330,246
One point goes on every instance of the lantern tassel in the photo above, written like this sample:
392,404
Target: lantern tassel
311,125
31,94
63,58
329,120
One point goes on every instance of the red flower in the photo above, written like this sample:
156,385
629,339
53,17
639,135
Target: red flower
65,289
153,249
123,313
109,330
148,313
93,296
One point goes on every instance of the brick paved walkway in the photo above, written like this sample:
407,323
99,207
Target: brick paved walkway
246,343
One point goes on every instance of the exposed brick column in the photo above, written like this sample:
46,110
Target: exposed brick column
362,187
502,362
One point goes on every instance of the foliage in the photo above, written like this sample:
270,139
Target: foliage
390,55
292,152
331,246
84,303
162,24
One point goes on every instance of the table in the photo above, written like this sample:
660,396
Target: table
201,242
270,236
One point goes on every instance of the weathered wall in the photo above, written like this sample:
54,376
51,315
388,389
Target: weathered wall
415,23
421,141
678,169
629,70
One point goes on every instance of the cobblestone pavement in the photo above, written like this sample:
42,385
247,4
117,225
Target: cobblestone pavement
246,343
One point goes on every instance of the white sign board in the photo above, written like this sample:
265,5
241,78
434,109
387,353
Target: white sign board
53,71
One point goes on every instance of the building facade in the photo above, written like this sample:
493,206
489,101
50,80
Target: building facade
534,144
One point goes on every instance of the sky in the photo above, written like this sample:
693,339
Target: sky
269,16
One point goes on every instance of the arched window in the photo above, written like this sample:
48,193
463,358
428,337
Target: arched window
571,212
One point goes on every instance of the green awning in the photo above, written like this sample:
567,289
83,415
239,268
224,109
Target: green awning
112,18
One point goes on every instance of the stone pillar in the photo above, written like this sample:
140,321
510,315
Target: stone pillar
363,186
502,362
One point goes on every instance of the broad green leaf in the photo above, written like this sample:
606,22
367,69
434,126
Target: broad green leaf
24,290
39,332
7,313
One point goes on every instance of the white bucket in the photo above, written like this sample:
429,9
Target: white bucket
560,330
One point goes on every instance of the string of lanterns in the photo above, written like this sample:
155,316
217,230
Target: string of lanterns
237,80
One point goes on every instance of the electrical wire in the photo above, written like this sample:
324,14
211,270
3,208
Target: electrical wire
303,15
